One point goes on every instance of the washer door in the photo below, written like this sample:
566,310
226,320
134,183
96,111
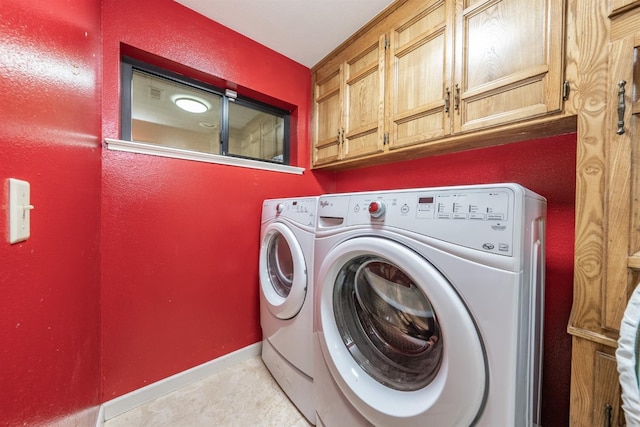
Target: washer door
397,337
283,272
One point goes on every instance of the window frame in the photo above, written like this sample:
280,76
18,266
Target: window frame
128,65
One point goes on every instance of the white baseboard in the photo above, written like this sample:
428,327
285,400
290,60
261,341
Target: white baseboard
100,420
138,397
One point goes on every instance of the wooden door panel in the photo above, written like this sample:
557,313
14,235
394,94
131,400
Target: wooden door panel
420,71
519,101
501,40
328,111
509,61
364,101
619,196
606,391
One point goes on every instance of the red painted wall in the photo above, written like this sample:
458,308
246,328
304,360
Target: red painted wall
546,166
49,285
180,239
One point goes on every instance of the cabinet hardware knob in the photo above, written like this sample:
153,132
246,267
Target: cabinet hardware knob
607,415
447,100
566,88
621,107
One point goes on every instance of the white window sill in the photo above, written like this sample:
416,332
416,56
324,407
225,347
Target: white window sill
177,153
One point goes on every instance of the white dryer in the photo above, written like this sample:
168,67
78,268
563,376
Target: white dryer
286,296
429,307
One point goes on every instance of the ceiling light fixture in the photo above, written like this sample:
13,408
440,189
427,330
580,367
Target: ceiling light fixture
191,105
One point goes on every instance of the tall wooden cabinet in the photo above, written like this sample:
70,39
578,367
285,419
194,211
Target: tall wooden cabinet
435,69
607,211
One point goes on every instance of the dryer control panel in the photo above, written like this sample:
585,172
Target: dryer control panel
477,217
301,211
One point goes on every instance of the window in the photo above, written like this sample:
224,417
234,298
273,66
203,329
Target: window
168,109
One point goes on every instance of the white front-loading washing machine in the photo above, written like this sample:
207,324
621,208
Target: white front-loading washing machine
429,307
286,296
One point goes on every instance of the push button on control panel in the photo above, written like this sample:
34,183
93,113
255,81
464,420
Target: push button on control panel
377,209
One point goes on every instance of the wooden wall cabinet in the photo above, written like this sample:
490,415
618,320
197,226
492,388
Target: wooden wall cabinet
348,103
509,61
419,95
608,209
435,69
502,74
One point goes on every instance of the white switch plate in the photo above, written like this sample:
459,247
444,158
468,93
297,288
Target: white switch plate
19,210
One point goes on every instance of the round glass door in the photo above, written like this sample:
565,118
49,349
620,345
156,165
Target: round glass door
397,338
280,264
283,273
387,323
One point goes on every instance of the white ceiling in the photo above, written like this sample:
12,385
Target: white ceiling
303,30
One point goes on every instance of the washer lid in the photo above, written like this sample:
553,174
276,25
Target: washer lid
397,337
283,272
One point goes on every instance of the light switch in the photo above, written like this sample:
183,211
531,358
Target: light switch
19,210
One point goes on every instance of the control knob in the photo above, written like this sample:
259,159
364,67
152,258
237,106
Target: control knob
279,207
377,209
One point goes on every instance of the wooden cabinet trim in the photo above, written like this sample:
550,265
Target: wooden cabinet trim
528,90
619,7
590,164
541,128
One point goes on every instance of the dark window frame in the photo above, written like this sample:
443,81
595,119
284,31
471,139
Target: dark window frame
128,65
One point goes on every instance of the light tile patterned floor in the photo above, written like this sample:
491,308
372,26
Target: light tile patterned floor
243,395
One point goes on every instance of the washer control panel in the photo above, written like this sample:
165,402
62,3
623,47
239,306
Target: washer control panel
492,206
482,218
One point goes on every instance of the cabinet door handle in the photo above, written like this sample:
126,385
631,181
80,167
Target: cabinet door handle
621,107
607,415
447,100
456,98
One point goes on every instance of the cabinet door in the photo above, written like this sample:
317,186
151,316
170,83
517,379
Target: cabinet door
364,100
421,52
606,391
327,115
620,137
509,61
